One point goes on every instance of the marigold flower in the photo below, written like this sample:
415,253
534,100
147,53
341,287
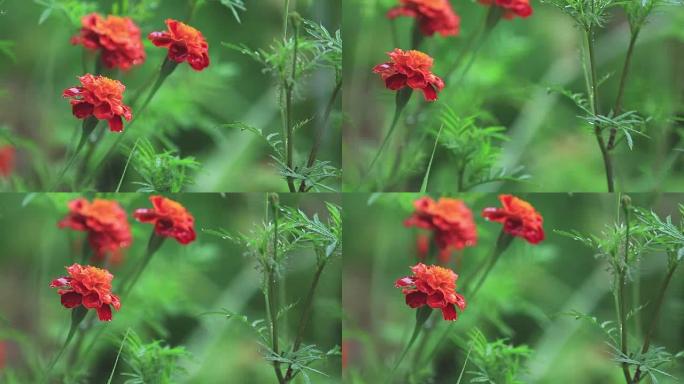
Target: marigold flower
412,69
184,42
512,8
433,286
88,286
7,154
170,219
450,220
518,217
101,97
432,16
118,39
106,224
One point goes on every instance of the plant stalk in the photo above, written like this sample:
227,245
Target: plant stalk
656,317
607,161
153,244
402,98
621,88
272,294
319,132
77,315
622,302
289,89
308,303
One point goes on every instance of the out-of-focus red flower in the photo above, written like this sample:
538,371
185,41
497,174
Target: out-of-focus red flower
512,8
101,97
88,286
518,217
433,286
433,16
106,224
422,246
450,221
410,69
7,154
118,39
170,219
2,354
184,42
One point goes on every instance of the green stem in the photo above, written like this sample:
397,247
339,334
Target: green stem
621,88
308,303
402,98
272,294
77,315
319,132
87,128
622,303
289,89
607,161
656,316
153,244
168,66
422,314
502,244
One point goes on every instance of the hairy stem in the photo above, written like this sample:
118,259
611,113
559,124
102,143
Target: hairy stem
622,303
272,295
607,161
319,132
621,88
656,316
308,303
289,90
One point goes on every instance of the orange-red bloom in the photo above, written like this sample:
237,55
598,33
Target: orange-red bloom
101,97
512,8
518,217
7,153
433,286
118,39
184,42
170,219
106,224
412,69
432,16
450,220
88,286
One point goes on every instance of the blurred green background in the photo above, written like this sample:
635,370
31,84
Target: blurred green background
507,85
185,115
527,298
172,298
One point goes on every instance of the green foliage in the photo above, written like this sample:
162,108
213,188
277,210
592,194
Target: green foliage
74,10
639,10
162,172
150,362
330,46
586,13
325,238
7,49
138,10
235,7
476,150
498,362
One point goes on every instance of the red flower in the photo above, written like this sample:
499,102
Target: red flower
117,37
184,42
7,153
450,220
106,224
512,8
432,16
433,286
518,217
422,246
412,69
101,97
88,286
170,219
